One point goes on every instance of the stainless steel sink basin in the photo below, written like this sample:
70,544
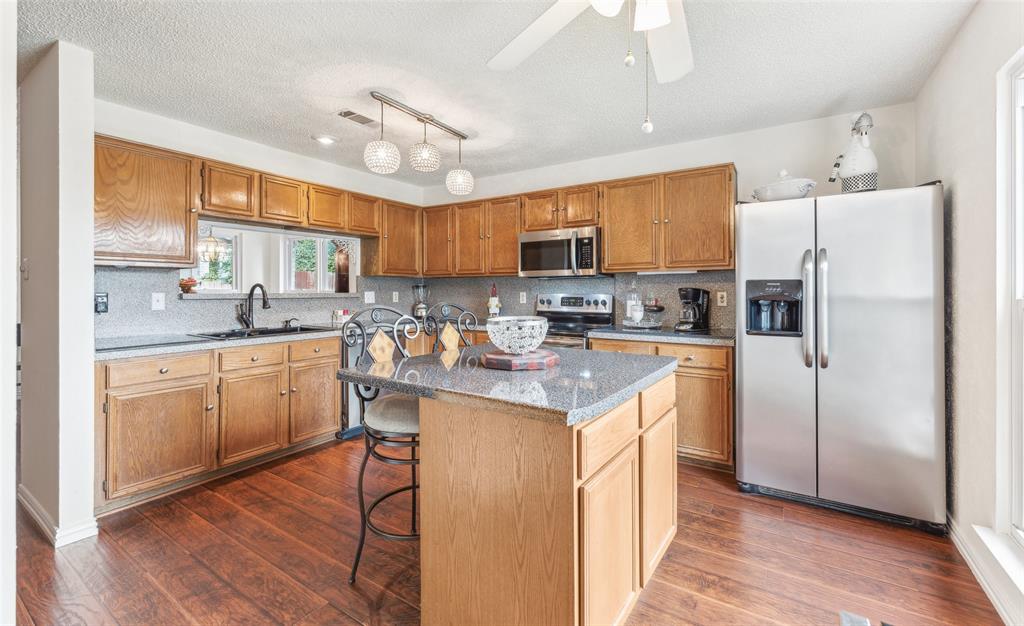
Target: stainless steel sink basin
246,333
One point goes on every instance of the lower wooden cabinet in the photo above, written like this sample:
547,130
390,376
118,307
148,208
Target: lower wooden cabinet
658,490
253,413
629,347
314,399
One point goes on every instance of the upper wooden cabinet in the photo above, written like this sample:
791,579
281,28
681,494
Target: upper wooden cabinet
630,224
364,214
328,207
401,240
145,205
470,244
578,206
437,241
283,199
540,210
698,216
503,236
230,191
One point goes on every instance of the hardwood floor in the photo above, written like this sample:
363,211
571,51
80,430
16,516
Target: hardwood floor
274,545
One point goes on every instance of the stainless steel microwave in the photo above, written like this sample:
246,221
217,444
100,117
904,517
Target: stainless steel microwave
562,252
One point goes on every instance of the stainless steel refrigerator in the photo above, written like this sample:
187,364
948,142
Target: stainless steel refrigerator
840,388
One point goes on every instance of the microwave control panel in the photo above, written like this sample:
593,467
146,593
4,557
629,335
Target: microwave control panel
585,245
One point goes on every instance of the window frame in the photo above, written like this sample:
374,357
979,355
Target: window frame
321,281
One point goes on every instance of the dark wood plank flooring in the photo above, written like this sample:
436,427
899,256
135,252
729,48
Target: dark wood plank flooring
274,545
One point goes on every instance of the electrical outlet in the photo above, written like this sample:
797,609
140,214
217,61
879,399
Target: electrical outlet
369,297
102,302
522,297
723,298
394,296
157,301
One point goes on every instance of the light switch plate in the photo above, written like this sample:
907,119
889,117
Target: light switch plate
157,301
369,297
723,298
522,297
394,296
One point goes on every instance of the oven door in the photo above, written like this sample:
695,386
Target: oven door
563,252
563,341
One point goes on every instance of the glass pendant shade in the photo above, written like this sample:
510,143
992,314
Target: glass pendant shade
424,157
459,182
211,249
382,157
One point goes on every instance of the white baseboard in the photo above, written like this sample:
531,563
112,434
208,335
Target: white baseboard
973,544
56,535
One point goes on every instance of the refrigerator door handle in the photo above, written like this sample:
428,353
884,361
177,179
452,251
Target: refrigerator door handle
808,307
823,308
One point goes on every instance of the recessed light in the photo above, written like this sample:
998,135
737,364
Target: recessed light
325,140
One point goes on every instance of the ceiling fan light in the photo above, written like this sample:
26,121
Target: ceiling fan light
607,8
382,157
651,14
424,157
459,182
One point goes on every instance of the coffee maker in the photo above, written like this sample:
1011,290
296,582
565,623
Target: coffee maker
693,310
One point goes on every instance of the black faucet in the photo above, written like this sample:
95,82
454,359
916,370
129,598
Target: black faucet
245,312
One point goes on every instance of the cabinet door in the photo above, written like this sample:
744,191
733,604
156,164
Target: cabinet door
364,214
610,540
704,405
657,492
630,224
145,205
230,191
630,347
579,206
540,210
328,208
503,236
697,218
282,200
253,413
314,399
158,436
469,238
400,245
437,241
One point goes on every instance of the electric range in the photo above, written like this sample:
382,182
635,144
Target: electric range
570,316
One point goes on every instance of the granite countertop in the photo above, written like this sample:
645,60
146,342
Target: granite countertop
110,348
583,386
665,334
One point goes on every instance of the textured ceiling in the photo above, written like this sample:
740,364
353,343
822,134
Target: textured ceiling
277,72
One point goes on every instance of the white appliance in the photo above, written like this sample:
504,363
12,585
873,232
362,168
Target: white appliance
560,252
840,358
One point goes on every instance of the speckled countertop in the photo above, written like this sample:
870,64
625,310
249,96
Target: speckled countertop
110,348
665,334
583,386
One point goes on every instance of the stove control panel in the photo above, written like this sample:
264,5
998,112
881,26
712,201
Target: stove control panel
573,303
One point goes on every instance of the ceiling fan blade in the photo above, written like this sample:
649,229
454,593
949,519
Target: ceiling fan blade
537,34
670,46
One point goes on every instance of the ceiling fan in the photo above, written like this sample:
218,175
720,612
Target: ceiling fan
663,22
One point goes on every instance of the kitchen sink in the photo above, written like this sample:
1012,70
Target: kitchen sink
246,333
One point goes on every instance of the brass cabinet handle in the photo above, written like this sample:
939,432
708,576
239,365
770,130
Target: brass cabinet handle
164,370
481,236
689,357
295,390
209,407
655,221
316,349
193,210
385,236
284,391
255,358
666,220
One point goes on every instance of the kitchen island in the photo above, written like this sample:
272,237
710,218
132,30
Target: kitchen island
547,497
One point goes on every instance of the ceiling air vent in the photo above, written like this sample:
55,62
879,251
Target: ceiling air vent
358,118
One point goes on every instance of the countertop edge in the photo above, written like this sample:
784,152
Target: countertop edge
213,344
639,335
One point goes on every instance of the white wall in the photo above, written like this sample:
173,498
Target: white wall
8,304
136,125
805,148
56,166
956,142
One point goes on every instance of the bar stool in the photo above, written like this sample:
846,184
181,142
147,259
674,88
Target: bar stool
391,420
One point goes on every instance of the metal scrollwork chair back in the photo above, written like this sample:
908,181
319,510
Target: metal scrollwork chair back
378,332
445,315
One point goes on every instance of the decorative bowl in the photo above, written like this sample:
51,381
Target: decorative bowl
786,188
517,334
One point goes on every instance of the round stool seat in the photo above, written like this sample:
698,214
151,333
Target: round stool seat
392,412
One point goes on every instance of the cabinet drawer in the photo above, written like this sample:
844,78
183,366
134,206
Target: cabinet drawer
629,347
711,357
153,370
251,356
605,436
313,349
656,400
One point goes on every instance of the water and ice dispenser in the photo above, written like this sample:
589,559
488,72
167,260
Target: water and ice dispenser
774,306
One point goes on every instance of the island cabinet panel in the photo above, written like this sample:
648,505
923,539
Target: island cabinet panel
364,214
610,540
401,240
230,191
698,218
437,242
579,206
503,236
631,224
179,416
540,210
658,497
313,400
145,206
470,246
253,413
328,208
283,200
601,439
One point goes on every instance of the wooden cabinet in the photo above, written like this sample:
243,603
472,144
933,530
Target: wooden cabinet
658,495
540,210
283,200
230,191
469,239
630,347
364,214
328,208
145,205
437,242
579,206
698,218
314,398
503,236
630,224
610,540
180,416
253,413
400,240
